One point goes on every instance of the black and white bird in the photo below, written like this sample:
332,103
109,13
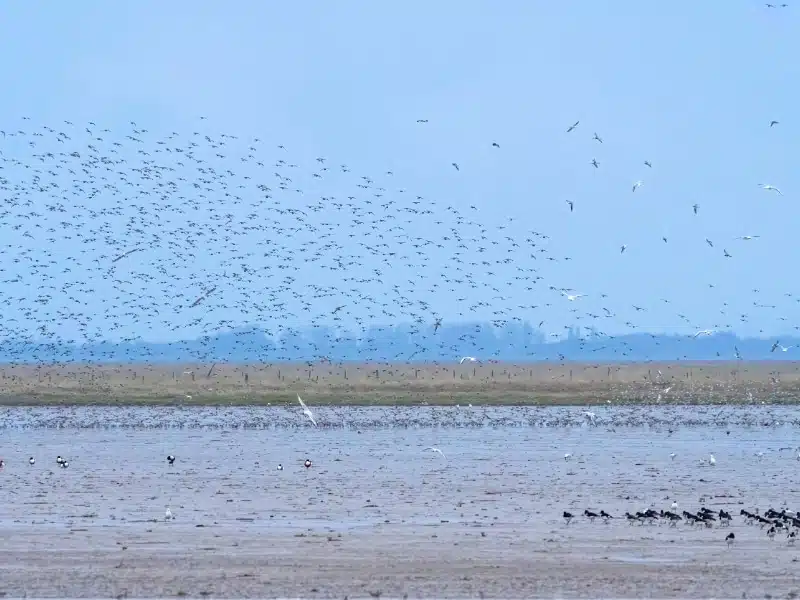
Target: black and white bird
729,539
280,467
307,464
568,517
171,459
31,461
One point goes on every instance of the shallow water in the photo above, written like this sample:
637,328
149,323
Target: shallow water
363,476
332,417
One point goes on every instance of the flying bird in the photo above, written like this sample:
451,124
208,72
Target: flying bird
574,125
434,449
306,411
571,205
770,188
572,297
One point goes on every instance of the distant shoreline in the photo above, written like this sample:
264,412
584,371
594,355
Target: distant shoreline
382,384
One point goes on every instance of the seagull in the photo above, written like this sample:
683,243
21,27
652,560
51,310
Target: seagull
573,126
704,332
636,184
589,415
572,297
168,514
785,348
468,359
770,188
747,238
306,411
434,449
711,460
31,461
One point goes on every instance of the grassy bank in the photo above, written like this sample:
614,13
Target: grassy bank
401,384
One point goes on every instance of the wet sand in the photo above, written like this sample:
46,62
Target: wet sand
378,513
541,383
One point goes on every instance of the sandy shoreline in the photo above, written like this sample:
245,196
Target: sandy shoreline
442,561
399,384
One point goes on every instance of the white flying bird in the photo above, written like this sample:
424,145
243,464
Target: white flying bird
467,359
704,332
636,185
306,411
572,297
747,238
770,188
434,449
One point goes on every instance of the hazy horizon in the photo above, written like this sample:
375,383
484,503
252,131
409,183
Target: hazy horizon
189,169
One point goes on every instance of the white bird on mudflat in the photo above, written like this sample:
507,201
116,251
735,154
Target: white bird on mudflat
672,455
711,460
435,449
589,415
468,359
306,411
567,456
168,514
770,188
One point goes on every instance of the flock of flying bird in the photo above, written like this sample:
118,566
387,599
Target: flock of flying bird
134,235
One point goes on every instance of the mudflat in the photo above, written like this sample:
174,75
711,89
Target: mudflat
539,383
379,514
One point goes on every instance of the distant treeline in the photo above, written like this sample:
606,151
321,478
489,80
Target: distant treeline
511,342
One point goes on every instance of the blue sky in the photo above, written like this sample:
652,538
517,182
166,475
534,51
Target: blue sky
689,86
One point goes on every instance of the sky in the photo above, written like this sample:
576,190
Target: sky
691,87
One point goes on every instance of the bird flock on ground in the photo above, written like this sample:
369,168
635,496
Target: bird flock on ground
131,235
784,522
